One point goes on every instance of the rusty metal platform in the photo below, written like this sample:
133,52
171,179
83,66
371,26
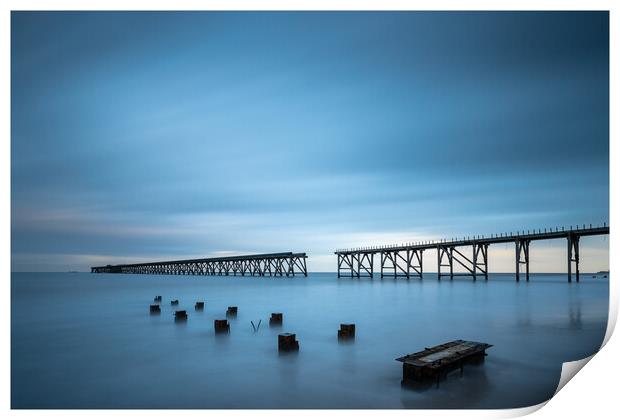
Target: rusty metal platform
436,362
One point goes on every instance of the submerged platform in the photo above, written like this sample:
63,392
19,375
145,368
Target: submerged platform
436,362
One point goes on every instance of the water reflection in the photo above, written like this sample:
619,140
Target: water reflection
455,391
574,316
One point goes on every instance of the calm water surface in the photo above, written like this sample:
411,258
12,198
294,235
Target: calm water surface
82,340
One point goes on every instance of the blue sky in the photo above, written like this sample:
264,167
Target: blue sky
140,136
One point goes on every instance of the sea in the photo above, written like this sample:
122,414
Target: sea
82,340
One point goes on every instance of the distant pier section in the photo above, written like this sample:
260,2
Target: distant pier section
469,253
278,264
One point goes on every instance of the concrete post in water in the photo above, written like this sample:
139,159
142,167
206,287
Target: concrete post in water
180,315
157,299
221,326
346,331
174,302
287,342
155,309
199,306
231,311
276,319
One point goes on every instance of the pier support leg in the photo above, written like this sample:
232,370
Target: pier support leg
522,248
570,257
451,259
527,260
339,258
359,263
475,260
443,251
421,259
576,257
351,265
573,256
382,262
485,254
372,265
517,258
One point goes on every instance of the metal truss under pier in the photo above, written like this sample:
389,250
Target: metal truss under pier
406,260
279,264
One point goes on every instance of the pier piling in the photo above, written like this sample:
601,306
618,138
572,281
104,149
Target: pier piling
287,342
346,331
275,320
180,315
221,326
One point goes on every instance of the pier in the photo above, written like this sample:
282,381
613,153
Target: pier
470,253
278,264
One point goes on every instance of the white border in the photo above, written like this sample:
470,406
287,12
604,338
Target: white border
594,391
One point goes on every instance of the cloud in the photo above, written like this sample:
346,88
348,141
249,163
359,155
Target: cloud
141,135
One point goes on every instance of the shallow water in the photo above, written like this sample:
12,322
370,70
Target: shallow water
82,340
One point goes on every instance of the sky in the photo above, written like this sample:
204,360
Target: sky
142,136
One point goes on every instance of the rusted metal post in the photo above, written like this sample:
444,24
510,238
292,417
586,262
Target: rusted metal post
475,259
517,258
451,256
570,257
573,256
576,255
527,259
382,262
421,258
439,262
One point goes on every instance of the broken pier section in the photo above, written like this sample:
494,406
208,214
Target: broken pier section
436,362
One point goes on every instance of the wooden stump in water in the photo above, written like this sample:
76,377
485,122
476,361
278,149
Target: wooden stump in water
174,302
155,309
231,311
157,299
199,306
221,326
180,315
346,331
287,342
276,319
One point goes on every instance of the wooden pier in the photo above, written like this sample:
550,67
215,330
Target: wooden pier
436,362
405,260
279,264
